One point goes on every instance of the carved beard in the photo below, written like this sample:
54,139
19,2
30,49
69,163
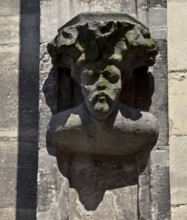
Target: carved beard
103,101
101,105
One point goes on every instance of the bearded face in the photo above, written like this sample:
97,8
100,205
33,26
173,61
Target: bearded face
101,86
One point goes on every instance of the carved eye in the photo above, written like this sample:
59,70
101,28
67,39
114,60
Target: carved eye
89,77
145,33
112,77
89,73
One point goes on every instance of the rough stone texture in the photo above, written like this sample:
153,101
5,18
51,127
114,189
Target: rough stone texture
158,104
160,192
99,184
177,35
177,50
178,162
9,83
48,19
144,195
9,70
9,8
63,197
103,6
48,184
153,13
19,110
53,15
8,213
177,107
50,91
7,25
178,182
142,11
121,203
158,3
8,164
157,22
82,123
47,181
179,212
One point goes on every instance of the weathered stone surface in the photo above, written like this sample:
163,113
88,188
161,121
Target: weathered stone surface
8,173
47,182
48,85
104,189
177,35
159,106
49,24
117,204
179,212
177,106
160,67
9,8
157,22
105,6
53,15
142,11
63,195
160,192
8,213
100,75
8,150
64,12
158,3
9,26
47,215
8,187
144,194
49,8
178,175
160,109
144,197
9,86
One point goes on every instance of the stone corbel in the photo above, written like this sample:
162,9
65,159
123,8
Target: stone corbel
102,51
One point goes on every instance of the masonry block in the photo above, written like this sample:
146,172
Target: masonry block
177,105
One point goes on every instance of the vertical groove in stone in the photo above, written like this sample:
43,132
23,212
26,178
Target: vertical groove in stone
136,7
159,168
144,196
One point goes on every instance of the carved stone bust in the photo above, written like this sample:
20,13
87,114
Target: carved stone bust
102,50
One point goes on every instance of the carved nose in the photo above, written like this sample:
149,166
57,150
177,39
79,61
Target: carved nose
101,87
101,84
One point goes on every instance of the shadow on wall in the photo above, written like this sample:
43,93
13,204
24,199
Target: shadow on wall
92,176
27,166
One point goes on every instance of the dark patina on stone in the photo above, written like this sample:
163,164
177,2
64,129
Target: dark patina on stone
102,50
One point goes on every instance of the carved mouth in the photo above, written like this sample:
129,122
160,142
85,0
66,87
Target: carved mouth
101,97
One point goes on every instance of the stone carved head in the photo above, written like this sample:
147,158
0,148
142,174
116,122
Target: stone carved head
102,51
101,85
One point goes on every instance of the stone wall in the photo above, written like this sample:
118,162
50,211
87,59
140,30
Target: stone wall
19,45
28,172
177,72
153,203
